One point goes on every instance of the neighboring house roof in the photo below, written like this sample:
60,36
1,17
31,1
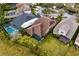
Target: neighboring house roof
18,21
23,6
54,15
39,10
69,4
69,16
12,14
64,29
41,26
73,27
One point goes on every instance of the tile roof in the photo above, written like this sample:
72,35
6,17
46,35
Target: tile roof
41,26
23,6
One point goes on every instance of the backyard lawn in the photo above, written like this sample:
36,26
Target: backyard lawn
53,47
11,49
50,46
72,52
8,48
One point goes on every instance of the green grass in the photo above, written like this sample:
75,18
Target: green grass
8,48
53,46
50,46
12,49
72,52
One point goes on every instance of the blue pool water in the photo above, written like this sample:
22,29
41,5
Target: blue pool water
10,29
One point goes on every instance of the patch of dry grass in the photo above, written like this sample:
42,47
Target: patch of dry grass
12,49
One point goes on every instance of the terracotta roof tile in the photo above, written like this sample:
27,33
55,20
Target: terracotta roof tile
41,26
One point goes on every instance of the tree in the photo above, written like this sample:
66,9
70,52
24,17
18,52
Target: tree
46,11
46,5
59,18
4,8
33,11
59,5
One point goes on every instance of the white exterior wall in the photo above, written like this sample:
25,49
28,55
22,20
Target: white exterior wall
28,23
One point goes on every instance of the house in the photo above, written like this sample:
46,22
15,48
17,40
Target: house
23,7
20,9
12,14
41,27
54,15
72,7
39,10
24,20
65,30
69,4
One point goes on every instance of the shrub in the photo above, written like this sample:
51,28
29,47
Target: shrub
5,7
28,41
3,35
47,11
59,18
33,11
46,5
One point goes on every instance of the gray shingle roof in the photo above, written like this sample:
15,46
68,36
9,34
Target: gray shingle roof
18,21
73,25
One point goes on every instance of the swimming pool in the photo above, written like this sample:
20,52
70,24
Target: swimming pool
10,29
